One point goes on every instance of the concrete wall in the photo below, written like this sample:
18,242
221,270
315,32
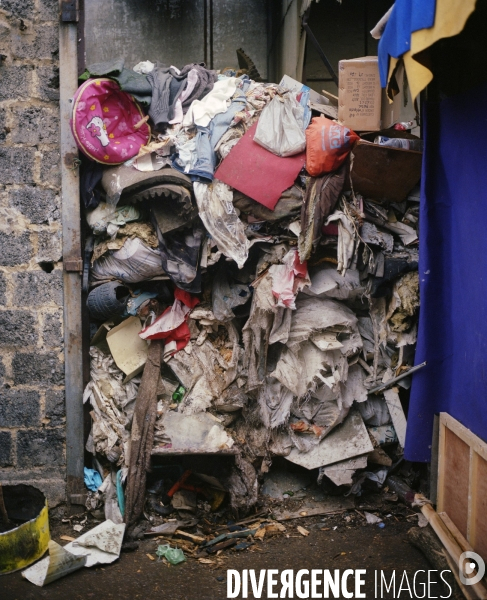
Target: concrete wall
172,31
32,414
32,431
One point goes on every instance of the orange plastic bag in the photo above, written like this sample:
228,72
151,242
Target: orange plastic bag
327,145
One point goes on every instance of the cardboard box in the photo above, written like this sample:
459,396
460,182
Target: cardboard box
402,108
359,94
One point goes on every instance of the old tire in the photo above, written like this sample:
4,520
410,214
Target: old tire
107,300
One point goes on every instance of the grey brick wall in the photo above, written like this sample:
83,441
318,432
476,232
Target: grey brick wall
32,416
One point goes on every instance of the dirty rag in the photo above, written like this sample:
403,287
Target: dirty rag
202,111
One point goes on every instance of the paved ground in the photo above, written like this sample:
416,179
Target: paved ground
349,546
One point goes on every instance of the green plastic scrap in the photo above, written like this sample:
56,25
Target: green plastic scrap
179,394
172,555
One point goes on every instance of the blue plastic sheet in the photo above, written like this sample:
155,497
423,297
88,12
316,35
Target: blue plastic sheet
93,479
452,334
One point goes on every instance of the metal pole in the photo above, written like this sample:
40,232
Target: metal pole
68,75
317,46
387,384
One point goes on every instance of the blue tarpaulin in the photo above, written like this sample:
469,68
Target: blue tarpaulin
452,334
406,17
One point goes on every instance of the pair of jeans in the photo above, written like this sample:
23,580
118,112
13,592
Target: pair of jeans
207,138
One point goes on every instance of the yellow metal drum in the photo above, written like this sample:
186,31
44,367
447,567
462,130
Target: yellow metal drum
21,546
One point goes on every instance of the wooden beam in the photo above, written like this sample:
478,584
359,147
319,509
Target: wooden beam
450,544
441,466
456,533
71,222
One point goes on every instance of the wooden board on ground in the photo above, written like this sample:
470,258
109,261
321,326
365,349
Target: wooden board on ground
332,505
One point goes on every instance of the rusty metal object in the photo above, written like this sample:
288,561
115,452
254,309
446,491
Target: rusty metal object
382,173
20,546
73,265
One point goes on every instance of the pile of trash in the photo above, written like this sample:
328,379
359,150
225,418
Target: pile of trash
251,291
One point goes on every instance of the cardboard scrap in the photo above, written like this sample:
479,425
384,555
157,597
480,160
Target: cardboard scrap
345,441
100,545
59,563
341,472
397,414
129,351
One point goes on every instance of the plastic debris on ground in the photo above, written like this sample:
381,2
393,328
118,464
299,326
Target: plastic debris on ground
100,545
281,297
172,555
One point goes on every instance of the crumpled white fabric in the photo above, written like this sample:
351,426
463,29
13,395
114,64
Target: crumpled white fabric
144,67
346,240
215,205
274,401
201,112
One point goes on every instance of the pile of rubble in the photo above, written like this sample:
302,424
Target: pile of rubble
269,311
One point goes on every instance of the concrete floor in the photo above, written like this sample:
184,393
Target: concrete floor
343,545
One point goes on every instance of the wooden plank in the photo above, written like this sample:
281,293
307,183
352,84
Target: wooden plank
434,460
478,528
195,539
455,482
446,538
472,440
453,529
332,97
466,590
472,484
72,306
450,543
440,488
462,482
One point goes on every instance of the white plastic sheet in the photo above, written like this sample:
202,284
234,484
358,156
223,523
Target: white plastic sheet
215,205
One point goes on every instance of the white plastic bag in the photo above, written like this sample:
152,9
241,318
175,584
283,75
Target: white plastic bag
215,205
280,127
134,262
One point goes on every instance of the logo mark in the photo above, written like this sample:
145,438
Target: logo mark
467,564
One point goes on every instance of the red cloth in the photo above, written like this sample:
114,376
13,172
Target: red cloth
172,325
258,173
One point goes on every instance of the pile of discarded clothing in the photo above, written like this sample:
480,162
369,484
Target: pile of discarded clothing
251,275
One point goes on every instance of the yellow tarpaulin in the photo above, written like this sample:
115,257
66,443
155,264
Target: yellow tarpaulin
450,19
